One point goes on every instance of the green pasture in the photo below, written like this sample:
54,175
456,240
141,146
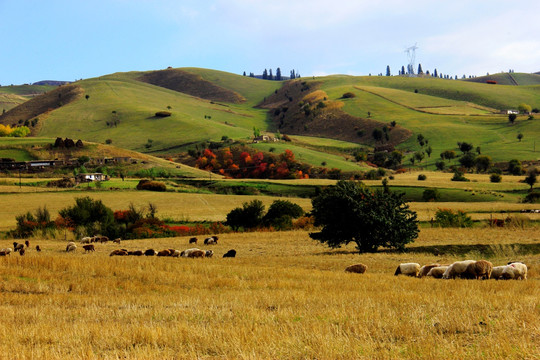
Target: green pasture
17,154
25,90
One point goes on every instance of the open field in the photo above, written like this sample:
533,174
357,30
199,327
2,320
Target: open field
283,297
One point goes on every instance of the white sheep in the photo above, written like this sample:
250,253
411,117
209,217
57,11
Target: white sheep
86,240
517,271
457,268
186,253
437,272
496,272
409,269
71,247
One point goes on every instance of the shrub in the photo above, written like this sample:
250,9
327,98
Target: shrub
249,216
348,95
495,178
163,113
281,213
90,217
514,167
532,197
458,176
430,195
422,177
440,165
108,141
449,218
350,212
151,185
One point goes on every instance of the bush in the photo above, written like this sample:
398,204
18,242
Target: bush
281,213
90,217
440,165
449,218
249,216
458,176
348,95
431,195
532,197
514,167
151,185
350,212
495,178
163,113
422,177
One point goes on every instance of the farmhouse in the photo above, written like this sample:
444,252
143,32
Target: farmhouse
512,112
89,177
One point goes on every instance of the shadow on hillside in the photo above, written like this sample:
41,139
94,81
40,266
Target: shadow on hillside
481,249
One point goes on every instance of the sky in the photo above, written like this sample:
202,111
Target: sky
73,39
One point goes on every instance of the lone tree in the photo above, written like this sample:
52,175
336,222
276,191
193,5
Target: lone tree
512,118
350,212
530,179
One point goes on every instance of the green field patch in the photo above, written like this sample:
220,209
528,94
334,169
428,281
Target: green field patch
16,154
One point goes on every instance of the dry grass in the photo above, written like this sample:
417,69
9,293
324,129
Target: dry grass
283,297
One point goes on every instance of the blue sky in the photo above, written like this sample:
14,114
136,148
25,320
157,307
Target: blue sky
73,39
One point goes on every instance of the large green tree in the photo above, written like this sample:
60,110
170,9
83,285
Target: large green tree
350,212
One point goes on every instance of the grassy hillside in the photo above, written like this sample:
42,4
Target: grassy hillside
509,79
121,108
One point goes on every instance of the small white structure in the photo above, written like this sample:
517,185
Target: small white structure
512,112
89,177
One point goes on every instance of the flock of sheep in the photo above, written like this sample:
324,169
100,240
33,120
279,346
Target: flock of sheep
467,269
190,253
18,247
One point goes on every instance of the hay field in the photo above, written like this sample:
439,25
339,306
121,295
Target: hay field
283,297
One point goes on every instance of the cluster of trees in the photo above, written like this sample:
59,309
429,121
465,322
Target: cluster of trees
425,149
251,215
244,162
88,217
420,71
18,131
268,75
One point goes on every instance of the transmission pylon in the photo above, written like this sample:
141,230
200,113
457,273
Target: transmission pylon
411,55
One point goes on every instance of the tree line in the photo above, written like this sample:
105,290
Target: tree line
268,75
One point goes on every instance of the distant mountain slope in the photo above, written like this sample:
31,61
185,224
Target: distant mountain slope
41,105
51,82
191,84
520,79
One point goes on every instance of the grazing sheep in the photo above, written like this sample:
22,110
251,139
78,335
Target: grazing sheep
230,254
150,252
117,241
356,268
409,269
193,240
186,253
456,269
496,273
119,252
209,253
38,248
516,271
165,252
211,240
103,239
15,244
27,243
479,270
424,270
437,272
86,240
71,247
171,252
197,254
21,252
136,253
89,247
18,247
176,253
6,251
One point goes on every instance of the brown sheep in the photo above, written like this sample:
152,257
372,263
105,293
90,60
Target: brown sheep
21,252
119,252
197,254
88,248
27,243
230,254
171,252
193,240
424,270
38,248
479,270
356,268
165,252
117,241
136,253
103,239
150,252
18,247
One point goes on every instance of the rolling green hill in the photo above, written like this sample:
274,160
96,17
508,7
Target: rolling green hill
207,105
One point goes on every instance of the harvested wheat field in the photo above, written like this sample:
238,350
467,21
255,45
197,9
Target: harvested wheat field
283,297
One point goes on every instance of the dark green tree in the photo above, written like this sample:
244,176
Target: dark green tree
265,75
468,160
388,73
420,71
483,163
248,216
465,147
270,76
519,136
281,213
514,167
350,212
90,216
278,74
530,179
377,134
512,118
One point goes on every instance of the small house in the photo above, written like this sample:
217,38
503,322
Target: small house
89,177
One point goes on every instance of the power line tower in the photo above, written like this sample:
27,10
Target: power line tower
411,55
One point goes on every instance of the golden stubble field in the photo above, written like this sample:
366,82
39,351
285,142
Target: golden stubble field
283,297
